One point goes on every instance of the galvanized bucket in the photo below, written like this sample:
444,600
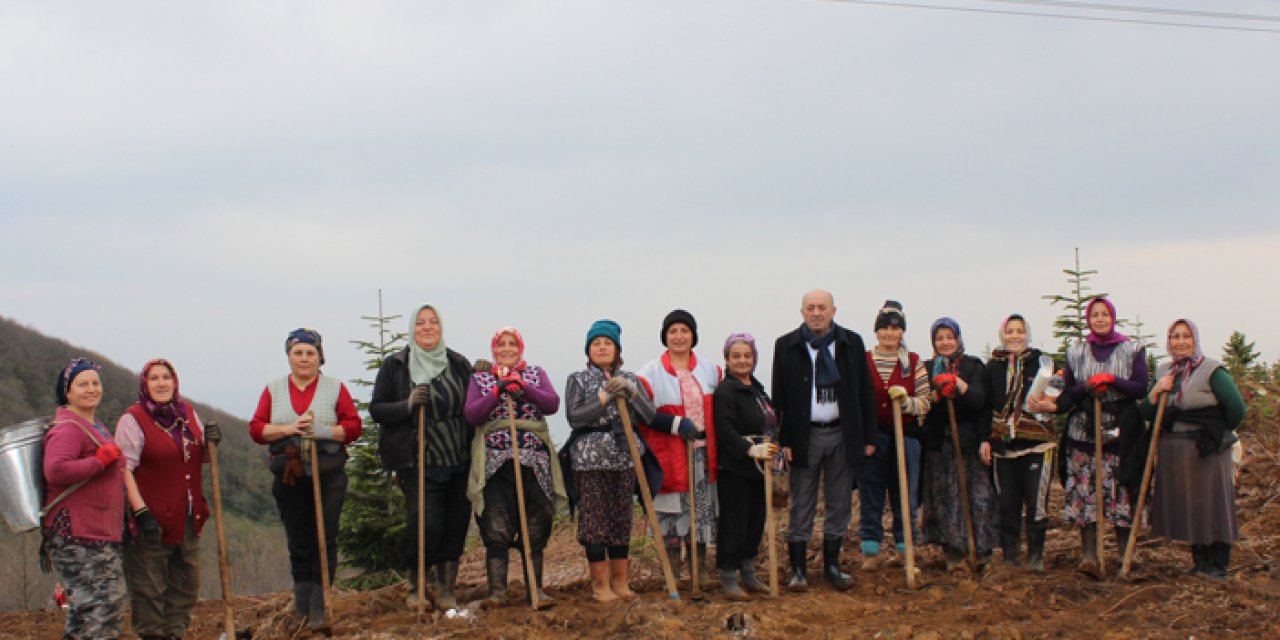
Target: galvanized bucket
22,473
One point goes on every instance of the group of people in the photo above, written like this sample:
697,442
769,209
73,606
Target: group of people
704,437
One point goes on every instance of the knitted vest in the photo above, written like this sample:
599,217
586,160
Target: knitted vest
324,408
1083,366
1195,390
906,379
168,484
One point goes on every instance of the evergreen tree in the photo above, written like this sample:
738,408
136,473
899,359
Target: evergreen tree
372,520
1072,326
1147,342
1238,355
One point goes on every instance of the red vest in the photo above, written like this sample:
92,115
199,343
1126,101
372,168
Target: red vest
884,410
165,480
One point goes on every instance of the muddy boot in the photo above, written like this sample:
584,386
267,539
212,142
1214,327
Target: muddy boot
544,601
446,579
749,580
704,567
1200,559
1089,559
729,582
302,601
317,622
673,558
1012,548
831,565
1122,541
954,557
1035,550
870,555
620,578
1219,561
600,589
495,566
799,579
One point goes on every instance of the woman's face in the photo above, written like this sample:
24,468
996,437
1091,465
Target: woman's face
1100,320
740,361
944,341
507,352
889,338
304,360
602,352
160,383
426,329
679,338
1015,336
85,392
1182,343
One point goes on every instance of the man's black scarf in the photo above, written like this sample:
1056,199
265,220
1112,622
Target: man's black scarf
827,372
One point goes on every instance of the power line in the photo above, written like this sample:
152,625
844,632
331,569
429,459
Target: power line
1059,16
1094,6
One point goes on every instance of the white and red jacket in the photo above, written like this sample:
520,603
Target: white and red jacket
660,379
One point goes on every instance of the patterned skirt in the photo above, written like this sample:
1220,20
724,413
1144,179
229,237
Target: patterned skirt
604,506
1081,504
942,517
673,508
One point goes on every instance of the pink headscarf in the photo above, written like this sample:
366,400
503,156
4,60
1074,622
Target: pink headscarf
493,347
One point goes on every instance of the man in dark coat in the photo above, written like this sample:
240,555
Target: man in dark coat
823,395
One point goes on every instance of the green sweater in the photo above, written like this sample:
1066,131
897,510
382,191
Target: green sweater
1224,389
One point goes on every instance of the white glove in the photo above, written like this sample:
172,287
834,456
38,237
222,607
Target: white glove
762,451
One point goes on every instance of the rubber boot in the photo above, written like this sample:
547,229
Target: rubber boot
317,622
704,567
1012,548
729,582
302,601
544,601
1219,561
749,580
495,566
673,558
1200,559
1089,560
1035,550
838,579
955,558
1122,540
799,579
620,578
411,599
600,589
446,579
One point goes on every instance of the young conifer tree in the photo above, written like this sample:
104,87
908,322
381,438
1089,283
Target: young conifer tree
1071,326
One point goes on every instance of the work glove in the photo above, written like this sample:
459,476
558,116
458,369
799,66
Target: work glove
686,429
511,385
419,397
1098,383
148,525
620,387
483,366
762,451
212,433
108,453
945,383
899,393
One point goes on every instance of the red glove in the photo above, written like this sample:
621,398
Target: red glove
108,453
1098,383
511,385
945,383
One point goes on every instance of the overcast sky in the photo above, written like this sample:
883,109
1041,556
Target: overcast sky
193,180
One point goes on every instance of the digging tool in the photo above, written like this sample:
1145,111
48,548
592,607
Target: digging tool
766,467
1146,482
1100,500
224,569
531,578
321,546
904,495
652,515
695,590
422,510
962,476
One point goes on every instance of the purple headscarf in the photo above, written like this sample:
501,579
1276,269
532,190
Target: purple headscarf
746,339
167,415
1112,337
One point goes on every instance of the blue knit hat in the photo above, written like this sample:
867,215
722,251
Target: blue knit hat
606,328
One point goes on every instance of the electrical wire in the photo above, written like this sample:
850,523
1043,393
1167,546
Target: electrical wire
1094,6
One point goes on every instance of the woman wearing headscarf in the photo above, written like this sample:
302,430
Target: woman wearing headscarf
513,383
1194,498
1023,443
748,436
295,413
428,381
83,516
959,381
603,473
1112,368
683,387
163,442
901,378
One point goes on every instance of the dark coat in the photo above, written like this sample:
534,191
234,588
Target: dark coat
793,390
973,415
738,415
997,374
389,406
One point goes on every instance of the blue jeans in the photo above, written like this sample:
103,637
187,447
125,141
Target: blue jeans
878,476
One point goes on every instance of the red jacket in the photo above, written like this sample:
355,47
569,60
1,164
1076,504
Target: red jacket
659,377
169,484
96,509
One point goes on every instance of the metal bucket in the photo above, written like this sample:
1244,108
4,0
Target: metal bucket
22,473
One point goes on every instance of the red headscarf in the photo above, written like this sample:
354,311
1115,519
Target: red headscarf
493,348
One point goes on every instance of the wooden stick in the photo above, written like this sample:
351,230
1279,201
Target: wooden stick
652,515
904,494
322,547
769,528
530,577
1146,482
963,478
1099,497
224,569
695,591
422,511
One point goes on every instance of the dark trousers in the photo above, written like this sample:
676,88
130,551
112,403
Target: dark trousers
500,522
1024,484
297,506
742,519
163,581
447,518
877,477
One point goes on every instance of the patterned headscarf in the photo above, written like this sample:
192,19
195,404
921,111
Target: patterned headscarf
68,375
426,365
493,348
1111,337
941,363
1183,367
174,413
744,338
305,336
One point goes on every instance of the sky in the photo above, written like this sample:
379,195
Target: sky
193,180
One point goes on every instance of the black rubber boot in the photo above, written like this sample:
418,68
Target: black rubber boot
704,567
302,600
730,587
1122,540
1035,550
1219,557
446,579
318,622
798,551
1012,548
831,565
544,600
955,558
1199,559
1089,541
495,565
673,557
